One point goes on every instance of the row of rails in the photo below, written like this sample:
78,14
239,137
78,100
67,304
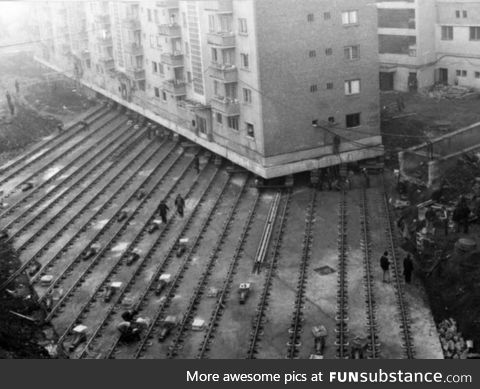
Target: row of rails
147,294
261,311
341,318
227,284
104,150
47,147
296,325
146,261
403,309
373,345
112,226
140,234
123,173
188,316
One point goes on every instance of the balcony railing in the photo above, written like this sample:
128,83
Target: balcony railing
134,48
132,23
173,59
170,30
136,73
222,39
228,106
175,87
225,73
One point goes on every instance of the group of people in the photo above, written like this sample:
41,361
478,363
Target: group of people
330,179
407,267
163,208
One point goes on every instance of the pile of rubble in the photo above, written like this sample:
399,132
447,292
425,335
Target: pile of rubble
463,178
450,92
453,344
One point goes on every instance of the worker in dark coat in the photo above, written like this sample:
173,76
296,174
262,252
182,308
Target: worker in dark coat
408,268
461,214
385,265
180,204
11,106
162,210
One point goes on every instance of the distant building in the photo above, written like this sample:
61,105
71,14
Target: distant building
268,84
423,42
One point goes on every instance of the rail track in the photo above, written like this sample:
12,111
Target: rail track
297,319
35,159
100,192
67,181
35,152
341,318
145,296
96,238
144,262
138,236
403,309
194,300
258,322
374,346
225,290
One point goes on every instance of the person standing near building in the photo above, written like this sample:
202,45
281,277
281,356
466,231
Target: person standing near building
385,265
162,210
180,204
408,268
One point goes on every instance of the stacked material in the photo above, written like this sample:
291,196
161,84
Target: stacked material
450,92
453,344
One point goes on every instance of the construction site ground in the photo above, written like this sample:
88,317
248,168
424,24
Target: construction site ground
100,188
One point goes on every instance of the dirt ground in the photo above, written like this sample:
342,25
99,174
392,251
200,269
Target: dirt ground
423,118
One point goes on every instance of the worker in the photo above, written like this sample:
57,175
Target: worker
149,131
385,265
336,144
430,217
17,86
408,268
11,106
196,164
367,178
162,210
461,215
180,204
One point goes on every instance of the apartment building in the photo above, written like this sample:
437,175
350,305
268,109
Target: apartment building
423,42
275,86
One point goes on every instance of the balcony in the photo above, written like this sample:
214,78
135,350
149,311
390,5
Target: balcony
169,4
170,30
132,23
136,74
105,41
107,62
134,48
174,60
175,87
221,39
224,73
228,106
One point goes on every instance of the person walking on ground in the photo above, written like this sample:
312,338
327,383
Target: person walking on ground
162,210
385,265
180,204
196,164
367,178
10,103
408,268
17,86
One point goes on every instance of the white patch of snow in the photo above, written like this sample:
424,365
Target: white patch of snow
100,224
120,247
51,172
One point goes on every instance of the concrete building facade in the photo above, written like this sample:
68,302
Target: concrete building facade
423,42
275,86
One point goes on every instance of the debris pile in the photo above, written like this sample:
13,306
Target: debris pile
450,92
453,344
461,179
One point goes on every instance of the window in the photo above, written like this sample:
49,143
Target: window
349,17
329,85
477,74
211,23
244,60
233,122
465,14
464,73
156,16
149,15
164,96
352,87
447,33
157,92
327,16
329,51
160,68
457,14
475,33
312,53
202,124
214,55
247,96
219,118
313,88
152,41
352,52
352,120
242,26
250,130
310,18
154,67
189,77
